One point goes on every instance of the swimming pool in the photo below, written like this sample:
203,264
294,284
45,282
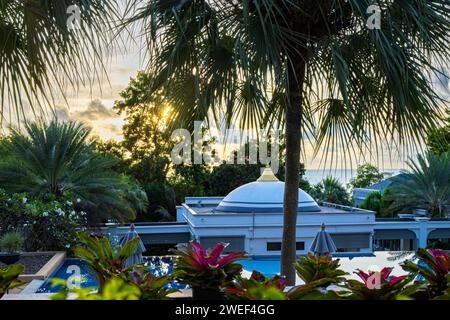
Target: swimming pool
76,272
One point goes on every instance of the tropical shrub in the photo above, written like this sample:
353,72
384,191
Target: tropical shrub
9,277
373,202
257,287
151,287
200,268
46,224
57,159
104,260
434,267
330,190
426,187
366,175
11,242
312,268
379,286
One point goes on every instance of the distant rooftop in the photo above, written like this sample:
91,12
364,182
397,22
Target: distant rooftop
380,186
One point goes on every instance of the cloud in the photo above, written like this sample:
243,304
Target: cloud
96,110
62,113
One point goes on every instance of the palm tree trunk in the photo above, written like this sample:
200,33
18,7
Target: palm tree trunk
293,132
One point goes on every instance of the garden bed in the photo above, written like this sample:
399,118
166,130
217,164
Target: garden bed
39,265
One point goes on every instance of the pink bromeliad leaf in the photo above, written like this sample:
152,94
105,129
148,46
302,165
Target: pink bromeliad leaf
364,276
282,283
198,249
394,280
385,272
438,253
230,258
198,254
215,253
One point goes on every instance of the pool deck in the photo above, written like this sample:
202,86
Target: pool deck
183,294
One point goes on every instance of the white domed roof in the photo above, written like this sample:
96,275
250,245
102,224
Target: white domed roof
264,195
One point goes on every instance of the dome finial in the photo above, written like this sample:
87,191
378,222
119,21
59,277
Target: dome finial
267,175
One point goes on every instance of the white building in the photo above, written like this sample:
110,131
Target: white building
250,218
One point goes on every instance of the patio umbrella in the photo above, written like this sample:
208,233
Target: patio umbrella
137,256
323,244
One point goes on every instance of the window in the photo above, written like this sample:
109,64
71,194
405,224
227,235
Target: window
276,246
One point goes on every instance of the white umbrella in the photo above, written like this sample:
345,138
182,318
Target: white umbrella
323,243
137,256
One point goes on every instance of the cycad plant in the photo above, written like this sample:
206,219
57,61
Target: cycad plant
425,186
330,190
57,158
358,69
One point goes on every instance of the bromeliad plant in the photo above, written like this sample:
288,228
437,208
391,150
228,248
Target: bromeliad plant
204,269
9,277
257,287
435,271
105,261
141,285
379,286
312,268
151,287
114,289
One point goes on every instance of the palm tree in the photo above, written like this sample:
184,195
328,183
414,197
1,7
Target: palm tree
425,186
293,63
44,49
330,190
57,159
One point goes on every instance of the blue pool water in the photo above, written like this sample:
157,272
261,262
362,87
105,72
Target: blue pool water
76,272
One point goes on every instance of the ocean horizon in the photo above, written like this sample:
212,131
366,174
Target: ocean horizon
343,175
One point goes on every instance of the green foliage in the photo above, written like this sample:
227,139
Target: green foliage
135,195
373,202
106,262
426,186
47,224
227,177
366,175
330,190
359,291
114,289
42,56
312,268
9,277
381,203
198,267
257,287
435,270
151,287
313,291
438,140
12,242
57,159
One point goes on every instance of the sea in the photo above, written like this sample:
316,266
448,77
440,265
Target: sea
343,175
